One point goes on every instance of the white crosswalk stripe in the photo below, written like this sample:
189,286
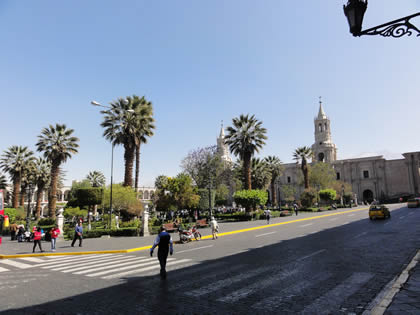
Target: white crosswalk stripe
70,261
32,259
109,265
14,263
331,300
3,269
282,296
100,264
118,275
227,282
76,264
258,285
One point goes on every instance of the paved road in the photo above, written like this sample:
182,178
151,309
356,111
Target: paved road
326,265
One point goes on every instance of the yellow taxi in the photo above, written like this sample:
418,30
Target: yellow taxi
413,203
379,212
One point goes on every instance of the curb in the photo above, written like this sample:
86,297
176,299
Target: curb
386,296
118,251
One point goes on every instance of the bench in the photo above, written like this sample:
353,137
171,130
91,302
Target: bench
170,227
201,223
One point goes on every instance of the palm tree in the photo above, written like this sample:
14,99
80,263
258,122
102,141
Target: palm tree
96,179
128,122
43,177
244,139
301,155
58,145
145,125
275,169
13,161
3,182
260,174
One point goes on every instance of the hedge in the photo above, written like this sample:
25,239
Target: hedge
69,234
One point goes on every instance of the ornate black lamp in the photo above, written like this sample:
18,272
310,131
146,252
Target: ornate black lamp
355,10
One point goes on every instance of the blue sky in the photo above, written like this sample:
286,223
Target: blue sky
201,62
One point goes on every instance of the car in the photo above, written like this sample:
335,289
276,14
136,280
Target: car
413,203
379,212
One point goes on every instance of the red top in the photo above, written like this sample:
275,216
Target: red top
37,236
55,232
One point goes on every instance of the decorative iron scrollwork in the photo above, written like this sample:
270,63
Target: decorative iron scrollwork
397,28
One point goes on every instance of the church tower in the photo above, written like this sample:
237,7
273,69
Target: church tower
222,148
324,149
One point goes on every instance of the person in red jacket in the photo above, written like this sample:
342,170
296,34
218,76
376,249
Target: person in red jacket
37,240
55,231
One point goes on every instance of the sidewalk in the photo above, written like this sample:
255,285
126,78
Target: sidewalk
407,300
9,247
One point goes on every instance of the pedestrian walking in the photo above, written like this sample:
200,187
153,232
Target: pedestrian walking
55,231
268,215
295,206
214,227
13,230
78,234
37,240
165,244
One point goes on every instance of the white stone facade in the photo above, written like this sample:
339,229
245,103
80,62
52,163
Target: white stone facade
370,177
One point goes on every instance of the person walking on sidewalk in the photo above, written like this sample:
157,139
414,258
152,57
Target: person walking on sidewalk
165,244
55,231
37,240
78,234
295,206
214,227
268,215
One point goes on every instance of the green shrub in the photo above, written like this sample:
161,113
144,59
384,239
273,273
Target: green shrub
46,221
308,198
15,214
250,199
327,195
69,213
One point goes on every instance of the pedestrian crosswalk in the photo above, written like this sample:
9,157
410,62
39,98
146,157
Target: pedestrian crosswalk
105,266
266,288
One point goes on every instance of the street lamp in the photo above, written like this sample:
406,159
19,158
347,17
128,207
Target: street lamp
29,191
95,103
342,195
355,10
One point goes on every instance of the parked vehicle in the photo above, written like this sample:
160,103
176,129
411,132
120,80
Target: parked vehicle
379,212
188,235
413,203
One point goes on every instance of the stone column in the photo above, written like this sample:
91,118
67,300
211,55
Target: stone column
60,223
145,223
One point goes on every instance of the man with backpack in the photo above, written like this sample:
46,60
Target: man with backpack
165,244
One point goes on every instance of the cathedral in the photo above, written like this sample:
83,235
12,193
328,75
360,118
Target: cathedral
370,177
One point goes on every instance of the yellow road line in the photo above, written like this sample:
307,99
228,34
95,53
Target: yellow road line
204,237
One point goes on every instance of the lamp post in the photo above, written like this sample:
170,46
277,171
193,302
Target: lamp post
29,190
355,10
95,103
342,195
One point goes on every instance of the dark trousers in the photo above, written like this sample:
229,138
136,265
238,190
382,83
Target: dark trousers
75,238
39,244
13,235
296,211
162,256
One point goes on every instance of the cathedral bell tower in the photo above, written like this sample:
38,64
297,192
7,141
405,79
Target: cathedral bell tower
222,148
324,149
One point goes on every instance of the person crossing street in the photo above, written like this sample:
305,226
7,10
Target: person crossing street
78,234
37,239
165,244
214,227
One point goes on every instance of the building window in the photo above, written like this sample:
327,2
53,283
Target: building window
288,179
338,175
365,174
320,127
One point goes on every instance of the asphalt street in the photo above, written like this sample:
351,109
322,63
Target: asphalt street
325,265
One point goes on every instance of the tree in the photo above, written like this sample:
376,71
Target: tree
288,192
96,179
90,196
308,197
145,125
276,169
250,199
3,182
13,162
58,145
321,175
301,155
43,177
129,122
338,187
245,138
201,164
222,195
204,198
327,195
124,200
